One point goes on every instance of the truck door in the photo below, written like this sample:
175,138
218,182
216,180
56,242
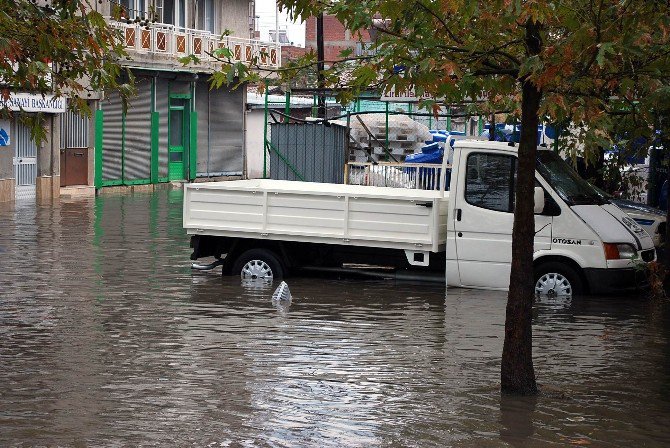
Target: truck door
484,216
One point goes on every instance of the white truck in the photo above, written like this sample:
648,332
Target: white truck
267,228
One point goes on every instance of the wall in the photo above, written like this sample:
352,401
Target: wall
335,37
254,144
234,16
7,168
290,52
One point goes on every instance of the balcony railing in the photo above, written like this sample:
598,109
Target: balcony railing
175,41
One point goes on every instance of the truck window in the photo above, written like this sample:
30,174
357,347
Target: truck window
489,181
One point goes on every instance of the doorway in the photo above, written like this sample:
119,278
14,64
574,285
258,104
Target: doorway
178,138
25,163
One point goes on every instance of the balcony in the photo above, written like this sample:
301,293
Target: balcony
172,42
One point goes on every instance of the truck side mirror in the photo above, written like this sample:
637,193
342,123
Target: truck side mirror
539,200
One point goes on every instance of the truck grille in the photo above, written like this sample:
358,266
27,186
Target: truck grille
647,255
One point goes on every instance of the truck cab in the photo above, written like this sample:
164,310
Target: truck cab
583,243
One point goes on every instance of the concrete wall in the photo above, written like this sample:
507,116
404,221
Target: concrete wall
254,144
47,185
234,16
7,169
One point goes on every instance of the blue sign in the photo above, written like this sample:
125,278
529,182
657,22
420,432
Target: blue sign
4,132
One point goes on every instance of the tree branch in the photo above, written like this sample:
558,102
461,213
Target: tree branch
441,20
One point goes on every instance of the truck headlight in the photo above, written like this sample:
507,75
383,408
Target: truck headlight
621,251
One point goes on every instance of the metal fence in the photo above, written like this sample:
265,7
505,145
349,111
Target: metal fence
418,176
25,165
74,130
308,152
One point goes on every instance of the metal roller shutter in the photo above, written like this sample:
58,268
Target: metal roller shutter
226,132
137,146
162,92
202,107
112,139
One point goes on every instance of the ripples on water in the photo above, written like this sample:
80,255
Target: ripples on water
108,339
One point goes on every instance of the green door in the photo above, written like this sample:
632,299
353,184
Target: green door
178,123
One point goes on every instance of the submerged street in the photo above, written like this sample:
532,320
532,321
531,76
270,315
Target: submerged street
107,338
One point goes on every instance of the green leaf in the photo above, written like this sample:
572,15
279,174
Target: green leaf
603,49
223,52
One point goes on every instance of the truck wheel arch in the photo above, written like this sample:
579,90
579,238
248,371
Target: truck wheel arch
259,257
240,246
572,264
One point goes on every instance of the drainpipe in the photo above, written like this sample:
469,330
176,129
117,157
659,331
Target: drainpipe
320,65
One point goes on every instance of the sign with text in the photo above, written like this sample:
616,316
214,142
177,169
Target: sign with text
29,102
404,96
5,131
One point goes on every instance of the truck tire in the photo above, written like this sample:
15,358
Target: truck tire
555,279
260,264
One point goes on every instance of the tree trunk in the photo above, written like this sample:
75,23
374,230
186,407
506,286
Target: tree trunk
517,373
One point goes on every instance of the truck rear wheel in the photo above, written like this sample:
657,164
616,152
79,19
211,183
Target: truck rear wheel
259,264
555,279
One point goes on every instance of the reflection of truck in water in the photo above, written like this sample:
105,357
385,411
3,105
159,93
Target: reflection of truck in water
267,228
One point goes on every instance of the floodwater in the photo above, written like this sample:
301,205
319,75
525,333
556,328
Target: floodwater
107,338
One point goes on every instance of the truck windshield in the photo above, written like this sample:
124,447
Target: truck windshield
566,182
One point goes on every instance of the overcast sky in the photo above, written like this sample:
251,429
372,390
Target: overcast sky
265,10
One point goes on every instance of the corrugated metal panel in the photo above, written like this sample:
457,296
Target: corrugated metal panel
112,137
137,147
226,131
202,107
315,151
162,109
74,130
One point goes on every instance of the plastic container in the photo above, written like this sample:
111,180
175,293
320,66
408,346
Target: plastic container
430,148
439,138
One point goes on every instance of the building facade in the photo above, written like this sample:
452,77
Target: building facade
174,128
336,38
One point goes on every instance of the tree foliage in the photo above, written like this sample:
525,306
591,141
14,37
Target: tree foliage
64,48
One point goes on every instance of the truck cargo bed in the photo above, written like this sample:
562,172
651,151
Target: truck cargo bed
318,213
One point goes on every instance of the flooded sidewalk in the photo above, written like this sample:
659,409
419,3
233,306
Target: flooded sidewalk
107,338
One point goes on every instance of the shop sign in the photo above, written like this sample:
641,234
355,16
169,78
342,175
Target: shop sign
404,96
28,102
5,131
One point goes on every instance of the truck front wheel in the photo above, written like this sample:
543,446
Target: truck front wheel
553,279
258,264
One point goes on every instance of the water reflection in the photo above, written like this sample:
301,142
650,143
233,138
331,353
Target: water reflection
516,419
108,338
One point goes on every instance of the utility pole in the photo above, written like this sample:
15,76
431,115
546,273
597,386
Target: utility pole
321,111
277,24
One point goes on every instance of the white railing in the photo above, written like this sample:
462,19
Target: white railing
419,176
161,38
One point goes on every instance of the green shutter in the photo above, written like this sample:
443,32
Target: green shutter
99,120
